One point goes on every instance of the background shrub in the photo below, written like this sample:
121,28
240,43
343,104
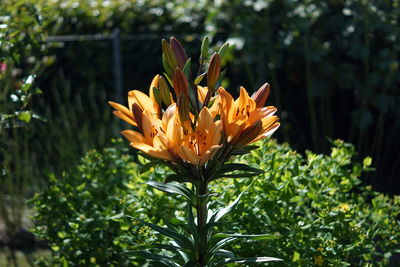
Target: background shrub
314,205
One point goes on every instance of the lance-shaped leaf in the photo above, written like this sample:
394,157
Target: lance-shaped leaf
246,171
147,255
181,178
219,214
246,260
173,189
199,78
224,253
183,242
251,237
244,150
154,163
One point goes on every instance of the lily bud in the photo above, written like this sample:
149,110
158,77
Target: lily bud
180,82
223,49
180,54
164,91
248,135
156,96
183,111
214,71
204,49
169,54
261,96
154,84
137,115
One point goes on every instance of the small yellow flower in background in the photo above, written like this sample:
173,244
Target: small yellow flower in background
344,207
319,260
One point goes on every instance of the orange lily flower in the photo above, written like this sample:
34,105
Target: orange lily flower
152,140
243,122
198,145
202,93
142,100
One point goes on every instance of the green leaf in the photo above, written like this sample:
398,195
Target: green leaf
224,253
178,178
173,189
160,259
181,240
296,256
244,150
25,116
223,242
158,246
190,264
199,78
251,237
367,162
247,260
227,168
149,165
219,214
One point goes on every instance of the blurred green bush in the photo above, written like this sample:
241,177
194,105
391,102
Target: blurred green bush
333,68
314,204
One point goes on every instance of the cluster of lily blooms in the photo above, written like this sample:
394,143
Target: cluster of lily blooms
194,124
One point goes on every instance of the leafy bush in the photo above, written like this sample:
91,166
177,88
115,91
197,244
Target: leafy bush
326,61
314,205
316,208
77,212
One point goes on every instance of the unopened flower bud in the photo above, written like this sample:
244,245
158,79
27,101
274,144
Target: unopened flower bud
204,49
164,91
169,54
180,82
223,49
248,135
183,111
179,51
156,96
214,71
261,96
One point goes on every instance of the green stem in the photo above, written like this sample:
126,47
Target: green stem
202,190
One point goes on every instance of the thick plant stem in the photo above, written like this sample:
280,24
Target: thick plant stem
202,190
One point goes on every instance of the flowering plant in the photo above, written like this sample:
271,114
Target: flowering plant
195,130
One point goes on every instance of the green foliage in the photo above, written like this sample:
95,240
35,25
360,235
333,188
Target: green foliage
79,214
333,67
18,41
316,208
313,206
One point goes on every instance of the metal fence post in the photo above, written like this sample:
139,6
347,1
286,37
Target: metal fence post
117,64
